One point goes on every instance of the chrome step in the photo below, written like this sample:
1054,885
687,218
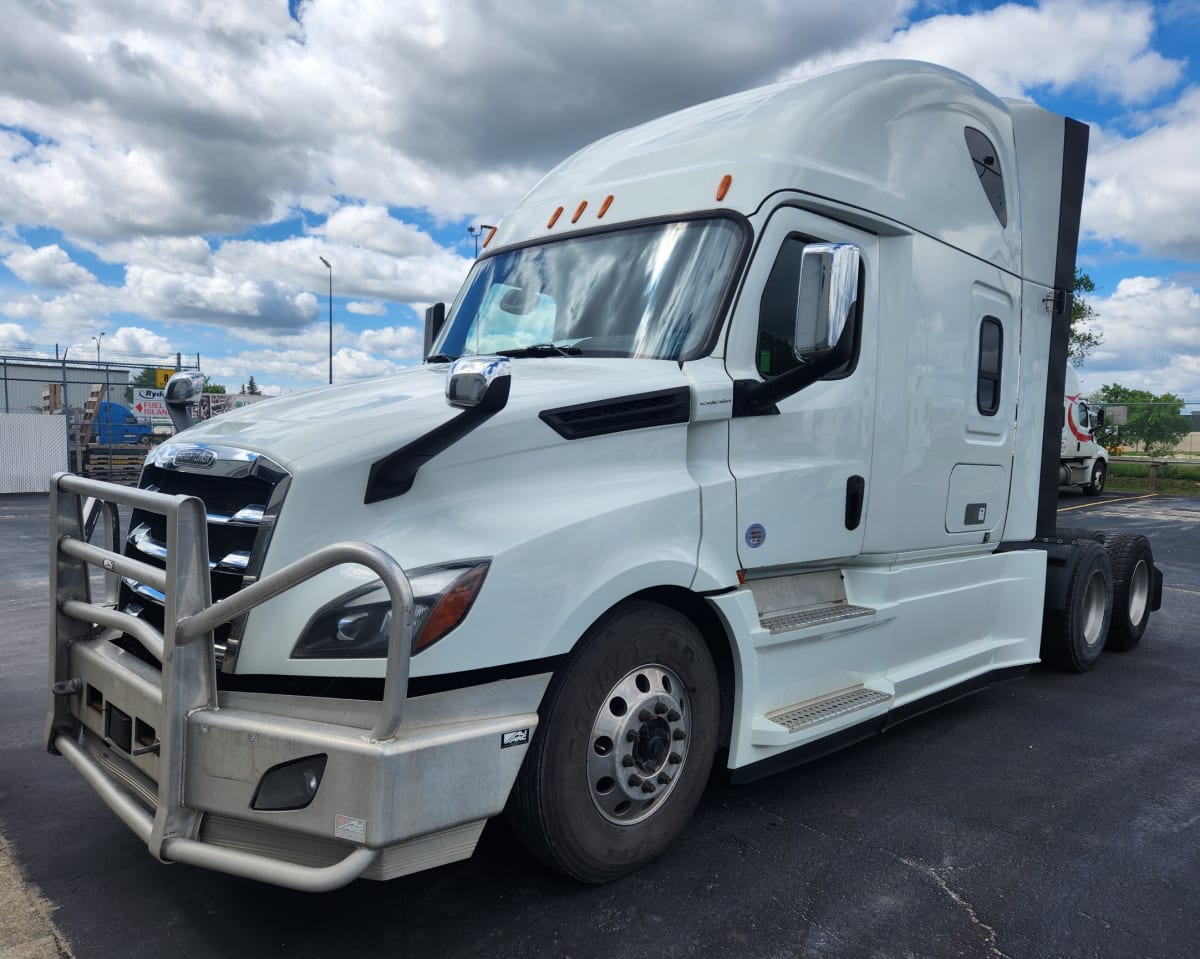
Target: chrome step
788,620
803,715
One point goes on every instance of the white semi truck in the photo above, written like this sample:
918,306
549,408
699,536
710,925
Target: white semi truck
1084,458
739,440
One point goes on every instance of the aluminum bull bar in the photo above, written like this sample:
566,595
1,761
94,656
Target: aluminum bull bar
184,648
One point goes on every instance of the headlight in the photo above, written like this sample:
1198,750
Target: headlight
355,626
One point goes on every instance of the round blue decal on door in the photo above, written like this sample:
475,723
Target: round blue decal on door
756,535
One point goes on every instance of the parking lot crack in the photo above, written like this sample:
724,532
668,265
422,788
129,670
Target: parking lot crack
930,873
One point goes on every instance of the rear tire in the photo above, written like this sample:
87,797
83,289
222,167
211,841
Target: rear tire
1099,475
1133,572
623,748
1073,638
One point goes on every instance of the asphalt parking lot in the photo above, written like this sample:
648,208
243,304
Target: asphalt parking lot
1053,816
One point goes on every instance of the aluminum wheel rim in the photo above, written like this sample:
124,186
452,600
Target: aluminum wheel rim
1093,609
1139,592
639,744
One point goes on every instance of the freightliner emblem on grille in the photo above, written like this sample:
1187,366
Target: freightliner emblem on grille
194,456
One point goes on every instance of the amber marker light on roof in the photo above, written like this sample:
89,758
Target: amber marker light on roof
554,218
491,233
579,211
604,206
726,181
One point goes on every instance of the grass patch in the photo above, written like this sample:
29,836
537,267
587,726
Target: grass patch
1178,479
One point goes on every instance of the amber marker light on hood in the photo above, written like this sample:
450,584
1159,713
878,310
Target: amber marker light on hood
554,218
491,233
604,206
723,188
579,211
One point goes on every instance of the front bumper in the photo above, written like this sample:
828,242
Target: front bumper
406,784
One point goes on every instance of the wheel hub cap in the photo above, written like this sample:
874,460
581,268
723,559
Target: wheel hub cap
638,744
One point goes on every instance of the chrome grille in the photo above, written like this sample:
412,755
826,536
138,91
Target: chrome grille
242,493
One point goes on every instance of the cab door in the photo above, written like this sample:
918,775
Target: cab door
803,474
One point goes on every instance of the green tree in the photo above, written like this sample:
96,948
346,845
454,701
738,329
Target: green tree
147,379
1083,340
252,387
1157,422
211,387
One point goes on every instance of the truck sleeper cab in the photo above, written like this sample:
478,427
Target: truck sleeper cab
738,434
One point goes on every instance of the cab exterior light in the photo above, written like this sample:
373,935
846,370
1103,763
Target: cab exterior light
554,218
579,211
604,207
723,187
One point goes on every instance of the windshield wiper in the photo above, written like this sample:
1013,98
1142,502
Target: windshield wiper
541,349
440,358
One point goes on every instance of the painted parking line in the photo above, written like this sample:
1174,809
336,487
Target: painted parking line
1105,502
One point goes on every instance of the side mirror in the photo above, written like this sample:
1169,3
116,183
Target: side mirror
435,316
472,378
1097,419
826,298
183,389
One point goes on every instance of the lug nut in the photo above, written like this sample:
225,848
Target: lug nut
648,787
679,734
660,707
645,716
675,759
626,760
674,716
635,780
631,737
663,778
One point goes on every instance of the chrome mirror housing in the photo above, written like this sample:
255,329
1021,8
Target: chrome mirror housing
183,389
827,296
470,378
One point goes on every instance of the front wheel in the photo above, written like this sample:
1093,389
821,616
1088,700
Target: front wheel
624,745
1099,475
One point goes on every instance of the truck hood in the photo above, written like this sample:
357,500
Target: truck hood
370,416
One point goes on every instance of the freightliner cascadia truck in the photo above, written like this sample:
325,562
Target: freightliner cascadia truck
741,439
1084,459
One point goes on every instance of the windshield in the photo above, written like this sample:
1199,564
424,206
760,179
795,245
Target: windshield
649,291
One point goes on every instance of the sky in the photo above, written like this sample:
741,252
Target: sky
176,168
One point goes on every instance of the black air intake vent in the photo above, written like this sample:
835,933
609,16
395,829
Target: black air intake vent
638,412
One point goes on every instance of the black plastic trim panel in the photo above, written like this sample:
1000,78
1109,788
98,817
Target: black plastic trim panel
637,412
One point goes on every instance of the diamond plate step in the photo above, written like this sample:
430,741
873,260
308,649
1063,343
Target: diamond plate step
803,715
790,619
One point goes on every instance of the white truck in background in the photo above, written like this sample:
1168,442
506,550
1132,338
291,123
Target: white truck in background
1084,458
738,441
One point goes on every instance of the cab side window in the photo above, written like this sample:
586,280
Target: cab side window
776,348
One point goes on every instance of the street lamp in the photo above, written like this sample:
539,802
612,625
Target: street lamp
476,231
329,267
96,340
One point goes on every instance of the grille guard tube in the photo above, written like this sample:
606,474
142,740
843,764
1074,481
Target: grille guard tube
185,651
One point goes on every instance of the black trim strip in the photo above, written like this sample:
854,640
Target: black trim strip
371,690
393,475
636,412
865,730
1074,169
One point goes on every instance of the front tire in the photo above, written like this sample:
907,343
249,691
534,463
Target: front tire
1133,570
624,745
1073,638
1099,476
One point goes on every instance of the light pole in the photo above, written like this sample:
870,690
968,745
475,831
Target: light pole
329,267
476,231
96,340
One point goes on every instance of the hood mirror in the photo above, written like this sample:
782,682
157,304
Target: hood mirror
183,389
472,378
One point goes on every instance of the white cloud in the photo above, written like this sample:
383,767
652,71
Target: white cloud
1144,190
1103,46
48,266
13,333
1151,330
371,227
374,308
